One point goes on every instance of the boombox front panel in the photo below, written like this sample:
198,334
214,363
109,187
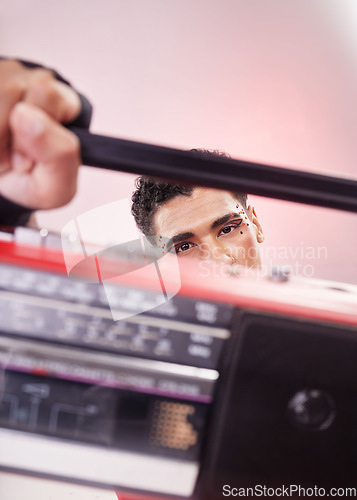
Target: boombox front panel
232,381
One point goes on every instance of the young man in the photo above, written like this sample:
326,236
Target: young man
198,222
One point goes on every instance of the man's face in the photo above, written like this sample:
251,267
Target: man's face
210,224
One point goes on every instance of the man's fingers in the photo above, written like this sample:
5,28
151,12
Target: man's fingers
20,163
39,158
50,179
38,87
57,99
38,136
12,89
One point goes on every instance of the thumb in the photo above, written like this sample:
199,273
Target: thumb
27,124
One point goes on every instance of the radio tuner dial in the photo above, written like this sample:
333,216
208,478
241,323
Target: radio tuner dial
311,410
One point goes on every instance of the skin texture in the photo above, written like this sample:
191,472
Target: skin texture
237,237
39,158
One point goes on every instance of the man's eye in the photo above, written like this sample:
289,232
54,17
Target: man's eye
227,229
231,227
183,247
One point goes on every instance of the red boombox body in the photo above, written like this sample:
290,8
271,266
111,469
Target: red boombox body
234,381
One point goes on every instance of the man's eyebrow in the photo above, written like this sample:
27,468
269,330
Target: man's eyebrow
181,236
224,219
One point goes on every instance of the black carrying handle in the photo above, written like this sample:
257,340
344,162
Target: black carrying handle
187,167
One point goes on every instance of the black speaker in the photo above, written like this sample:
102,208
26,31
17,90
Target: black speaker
286,407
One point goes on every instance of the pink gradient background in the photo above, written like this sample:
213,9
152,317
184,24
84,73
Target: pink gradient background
268,81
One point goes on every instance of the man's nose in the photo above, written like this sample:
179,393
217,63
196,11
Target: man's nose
215,252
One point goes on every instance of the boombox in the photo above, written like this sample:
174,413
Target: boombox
113,374
233,381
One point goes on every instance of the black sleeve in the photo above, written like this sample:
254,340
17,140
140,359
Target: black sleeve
12,214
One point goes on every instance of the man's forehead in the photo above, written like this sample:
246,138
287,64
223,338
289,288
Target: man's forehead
184,213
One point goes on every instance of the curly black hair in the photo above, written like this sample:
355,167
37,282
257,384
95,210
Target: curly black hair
150,194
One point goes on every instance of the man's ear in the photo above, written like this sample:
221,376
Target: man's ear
255,221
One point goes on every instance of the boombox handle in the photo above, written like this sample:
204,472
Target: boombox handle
187,167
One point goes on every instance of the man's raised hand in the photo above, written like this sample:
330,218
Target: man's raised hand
39,157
